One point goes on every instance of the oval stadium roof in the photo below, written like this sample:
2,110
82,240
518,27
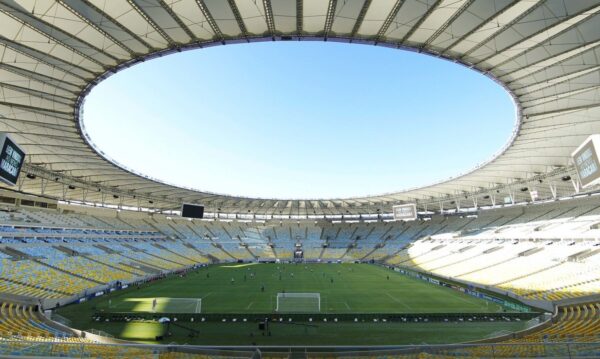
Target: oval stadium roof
544,52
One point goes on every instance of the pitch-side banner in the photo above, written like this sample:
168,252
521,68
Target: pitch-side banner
586,161
405,212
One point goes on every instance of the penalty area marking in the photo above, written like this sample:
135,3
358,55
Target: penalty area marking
469,302
339,304
398,300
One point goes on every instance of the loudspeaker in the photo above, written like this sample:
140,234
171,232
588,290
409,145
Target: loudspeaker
159,337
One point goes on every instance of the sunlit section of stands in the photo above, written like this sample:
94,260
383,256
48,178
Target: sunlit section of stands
567,280
534,269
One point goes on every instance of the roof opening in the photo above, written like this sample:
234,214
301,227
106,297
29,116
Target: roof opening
299,119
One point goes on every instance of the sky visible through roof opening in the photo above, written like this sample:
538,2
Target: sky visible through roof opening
299,119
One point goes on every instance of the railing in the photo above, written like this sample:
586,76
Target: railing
60,319
525,350
100,333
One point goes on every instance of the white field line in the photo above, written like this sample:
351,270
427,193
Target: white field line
398,300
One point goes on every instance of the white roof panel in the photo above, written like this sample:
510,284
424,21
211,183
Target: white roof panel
544,52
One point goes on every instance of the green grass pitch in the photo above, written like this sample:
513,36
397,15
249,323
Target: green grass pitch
343,288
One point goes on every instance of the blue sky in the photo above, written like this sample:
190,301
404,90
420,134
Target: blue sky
299,119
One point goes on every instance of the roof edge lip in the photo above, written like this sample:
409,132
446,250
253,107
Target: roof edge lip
79,112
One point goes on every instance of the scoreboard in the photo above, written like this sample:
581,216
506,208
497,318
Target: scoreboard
192,211
11,160
585,158
405,212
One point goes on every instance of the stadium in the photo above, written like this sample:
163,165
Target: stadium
101,260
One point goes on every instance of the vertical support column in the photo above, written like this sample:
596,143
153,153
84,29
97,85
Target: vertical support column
511,194
43,184
576,185
84,194
553,190
20,183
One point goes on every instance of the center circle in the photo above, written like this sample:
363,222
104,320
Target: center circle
299,119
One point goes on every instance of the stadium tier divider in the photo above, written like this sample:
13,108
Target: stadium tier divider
594,298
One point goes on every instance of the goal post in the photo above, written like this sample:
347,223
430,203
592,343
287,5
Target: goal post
298,303
175,305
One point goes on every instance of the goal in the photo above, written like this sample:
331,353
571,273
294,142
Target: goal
175,305
298,303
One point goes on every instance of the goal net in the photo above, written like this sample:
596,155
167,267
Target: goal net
298,303
174,305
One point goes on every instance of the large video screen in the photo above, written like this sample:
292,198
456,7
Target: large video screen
11,160
192,211
405,212
586,161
